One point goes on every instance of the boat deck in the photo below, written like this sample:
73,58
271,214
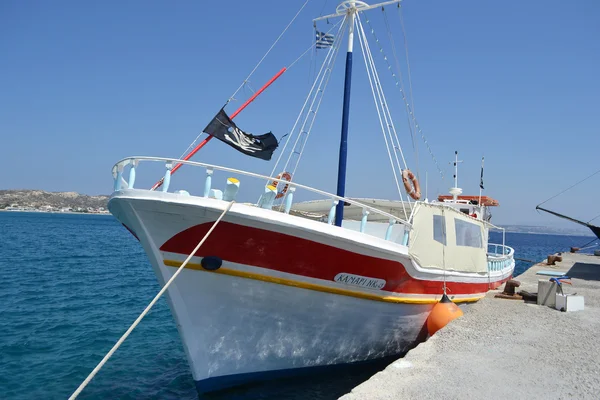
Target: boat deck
506,348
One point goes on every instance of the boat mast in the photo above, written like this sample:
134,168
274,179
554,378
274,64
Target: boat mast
348,8
341,181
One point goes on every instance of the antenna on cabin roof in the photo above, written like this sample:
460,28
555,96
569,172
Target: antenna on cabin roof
456,191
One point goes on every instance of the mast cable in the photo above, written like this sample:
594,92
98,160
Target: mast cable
251,73
571,187
268,51
316,110
393,43
412,101
314,44
402,93
377,108
385,107
372,75
308,97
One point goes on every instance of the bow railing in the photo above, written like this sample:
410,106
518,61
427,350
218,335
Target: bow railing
125,173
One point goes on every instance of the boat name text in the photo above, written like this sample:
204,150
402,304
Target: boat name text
357,280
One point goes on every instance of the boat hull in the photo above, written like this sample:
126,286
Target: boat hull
262,314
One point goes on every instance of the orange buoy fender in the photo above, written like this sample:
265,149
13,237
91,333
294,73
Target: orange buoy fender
441,315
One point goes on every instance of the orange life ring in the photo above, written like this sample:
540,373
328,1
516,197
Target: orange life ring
286,176
411,184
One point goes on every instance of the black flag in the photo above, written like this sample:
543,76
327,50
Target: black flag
223,128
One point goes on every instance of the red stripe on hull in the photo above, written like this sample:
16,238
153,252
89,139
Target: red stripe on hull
285,253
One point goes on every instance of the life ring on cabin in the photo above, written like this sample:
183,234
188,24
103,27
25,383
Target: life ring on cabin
411,184
285,176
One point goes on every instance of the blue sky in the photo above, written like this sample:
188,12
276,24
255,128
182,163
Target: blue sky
84,84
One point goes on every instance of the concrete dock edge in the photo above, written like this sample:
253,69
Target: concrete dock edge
506,348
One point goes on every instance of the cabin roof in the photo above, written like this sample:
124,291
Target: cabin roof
485,200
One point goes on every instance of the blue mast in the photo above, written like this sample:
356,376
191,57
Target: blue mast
341,182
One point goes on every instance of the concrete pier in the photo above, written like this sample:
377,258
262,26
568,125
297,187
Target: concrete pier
503,349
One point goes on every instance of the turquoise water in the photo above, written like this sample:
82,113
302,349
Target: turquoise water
72,284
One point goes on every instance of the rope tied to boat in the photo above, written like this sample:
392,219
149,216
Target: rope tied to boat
148,307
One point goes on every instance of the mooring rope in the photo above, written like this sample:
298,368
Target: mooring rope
147,309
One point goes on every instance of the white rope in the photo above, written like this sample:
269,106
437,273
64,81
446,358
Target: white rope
147,309
369,66
270,48
302,110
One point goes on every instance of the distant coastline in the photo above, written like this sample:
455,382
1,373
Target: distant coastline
570,233
547,230
57,212
27,200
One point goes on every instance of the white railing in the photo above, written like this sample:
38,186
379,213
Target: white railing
266,200
500,257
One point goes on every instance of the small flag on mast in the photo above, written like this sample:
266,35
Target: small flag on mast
481,181
224,129
324,40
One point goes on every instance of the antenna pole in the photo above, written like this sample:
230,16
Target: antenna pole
426,197
481,183
456,169
456,191
341,182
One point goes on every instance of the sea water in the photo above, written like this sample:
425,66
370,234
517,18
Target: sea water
70,285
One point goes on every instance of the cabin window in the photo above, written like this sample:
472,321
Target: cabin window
439,229
464,211
467,234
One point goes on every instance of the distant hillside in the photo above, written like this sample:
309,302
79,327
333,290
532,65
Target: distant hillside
51,201
575,230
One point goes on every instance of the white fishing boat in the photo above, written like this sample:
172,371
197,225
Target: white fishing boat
281,287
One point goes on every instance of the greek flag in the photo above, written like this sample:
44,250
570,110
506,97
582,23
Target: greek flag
324,40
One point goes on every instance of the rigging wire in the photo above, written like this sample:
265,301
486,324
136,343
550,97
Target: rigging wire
404,97
571,187
252,72
316,110
376,87
593,218
313,46
412,101
399,70
387,114
268,51
377,107
308,97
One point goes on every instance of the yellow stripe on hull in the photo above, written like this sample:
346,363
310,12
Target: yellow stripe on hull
319,288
